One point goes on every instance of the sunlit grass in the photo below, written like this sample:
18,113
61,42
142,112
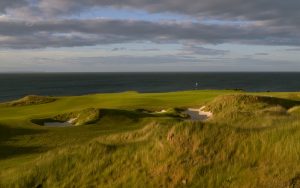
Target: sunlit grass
249,142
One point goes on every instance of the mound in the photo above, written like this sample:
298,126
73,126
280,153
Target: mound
242,101
294,110
83,117
31,100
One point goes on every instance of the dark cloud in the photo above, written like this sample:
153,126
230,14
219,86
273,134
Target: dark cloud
276,10
272,22
43,40
69,33
4,4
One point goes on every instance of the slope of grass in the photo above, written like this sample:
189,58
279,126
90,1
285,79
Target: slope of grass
31,100
251,141
82,117
127,100
242,101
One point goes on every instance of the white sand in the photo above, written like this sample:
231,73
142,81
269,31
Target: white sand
198,114
72,120
160,112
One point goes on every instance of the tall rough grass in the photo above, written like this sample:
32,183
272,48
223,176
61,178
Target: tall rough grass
250,142
172,154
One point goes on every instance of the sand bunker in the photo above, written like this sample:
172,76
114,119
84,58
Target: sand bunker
161,112
198,114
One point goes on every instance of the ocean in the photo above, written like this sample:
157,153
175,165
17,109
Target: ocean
17,85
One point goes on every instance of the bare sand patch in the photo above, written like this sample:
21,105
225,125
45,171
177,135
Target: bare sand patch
198,114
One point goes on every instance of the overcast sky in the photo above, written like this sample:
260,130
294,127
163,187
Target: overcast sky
149,35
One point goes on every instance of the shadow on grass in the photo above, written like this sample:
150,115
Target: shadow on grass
7,151
141,113
286,103
9,133
137,114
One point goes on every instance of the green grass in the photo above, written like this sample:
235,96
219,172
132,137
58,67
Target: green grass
251,141
31,100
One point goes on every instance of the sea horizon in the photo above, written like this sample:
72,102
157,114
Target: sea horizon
17,85
142,72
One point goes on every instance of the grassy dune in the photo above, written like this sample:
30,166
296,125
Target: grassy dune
252,140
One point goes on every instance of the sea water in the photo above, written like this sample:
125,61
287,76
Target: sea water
17,85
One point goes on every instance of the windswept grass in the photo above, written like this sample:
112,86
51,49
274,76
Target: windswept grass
251,141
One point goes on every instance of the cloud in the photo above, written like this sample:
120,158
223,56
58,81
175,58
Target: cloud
165,62
74,32
4,4
148,50
293,49
192,49
131,49
277,11
118,49
268,22
262,54
256,9
134,60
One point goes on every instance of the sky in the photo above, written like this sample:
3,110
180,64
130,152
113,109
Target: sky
149,36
